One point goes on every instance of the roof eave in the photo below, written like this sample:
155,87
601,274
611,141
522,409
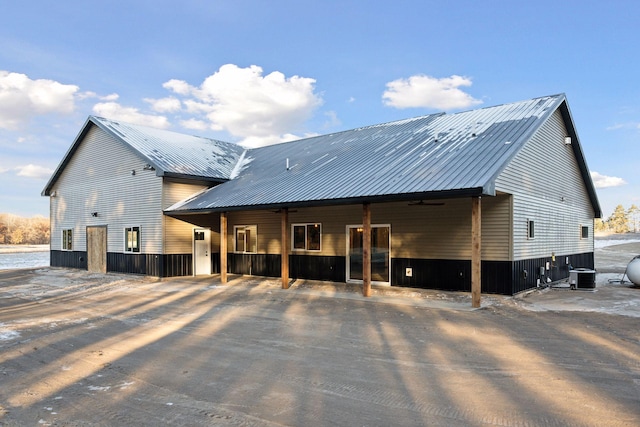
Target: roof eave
67,156
580,158
405,197
191,179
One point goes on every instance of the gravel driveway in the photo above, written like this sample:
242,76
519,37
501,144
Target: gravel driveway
78,349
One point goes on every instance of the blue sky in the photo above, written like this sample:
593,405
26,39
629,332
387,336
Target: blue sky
260,72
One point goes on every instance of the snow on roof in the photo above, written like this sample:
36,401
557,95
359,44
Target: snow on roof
428,156
174,153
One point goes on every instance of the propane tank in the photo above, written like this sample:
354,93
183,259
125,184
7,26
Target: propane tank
633,270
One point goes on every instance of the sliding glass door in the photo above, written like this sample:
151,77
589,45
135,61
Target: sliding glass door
380,248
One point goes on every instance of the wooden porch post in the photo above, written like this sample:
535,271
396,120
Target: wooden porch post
284,266
366,250
223,247
476,251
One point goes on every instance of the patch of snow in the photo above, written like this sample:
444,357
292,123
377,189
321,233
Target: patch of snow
243,162
6,334
98,388
14,249
603,243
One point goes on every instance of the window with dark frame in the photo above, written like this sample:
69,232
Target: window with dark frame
67,239
584,232
246,237
307,237
531,230
132,239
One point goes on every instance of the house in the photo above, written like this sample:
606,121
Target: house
497,200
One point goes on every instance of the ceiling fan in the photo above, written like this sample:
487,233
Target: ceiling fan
423,203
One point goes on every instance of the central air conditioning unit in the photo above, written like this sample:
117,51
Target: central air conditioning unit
582,278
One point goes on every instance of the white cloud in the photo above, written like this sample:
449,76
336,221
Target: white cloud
90,94
164,105
115,111
332,119
110,97
603,181
178,86
22,98
259,109
194,124
627,125
429,92
33,171
195,107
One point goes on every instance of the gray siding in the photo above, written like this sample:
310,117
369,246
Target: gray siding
545,181
99,179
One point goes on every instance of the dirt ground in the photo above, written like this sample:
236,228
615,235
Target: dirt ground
78,349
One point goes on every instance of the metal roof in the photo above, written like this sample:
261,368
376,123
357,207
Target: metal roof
438,155
171,154
433,156
176,154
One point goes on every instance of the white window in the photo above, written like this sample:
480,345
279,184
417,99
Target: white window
67,239
531,229
132,239
306,237
246,237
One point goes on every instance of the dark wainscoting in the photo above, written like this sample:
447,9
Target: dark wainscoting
442,274
69,259
150,264
312,267
177,265
498,277
254,264
132,263
558,269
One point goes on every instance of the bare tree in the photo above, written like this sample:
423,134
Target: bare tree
18,230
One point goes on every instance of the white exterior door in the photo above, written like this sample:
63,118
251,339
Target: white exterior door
201,251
